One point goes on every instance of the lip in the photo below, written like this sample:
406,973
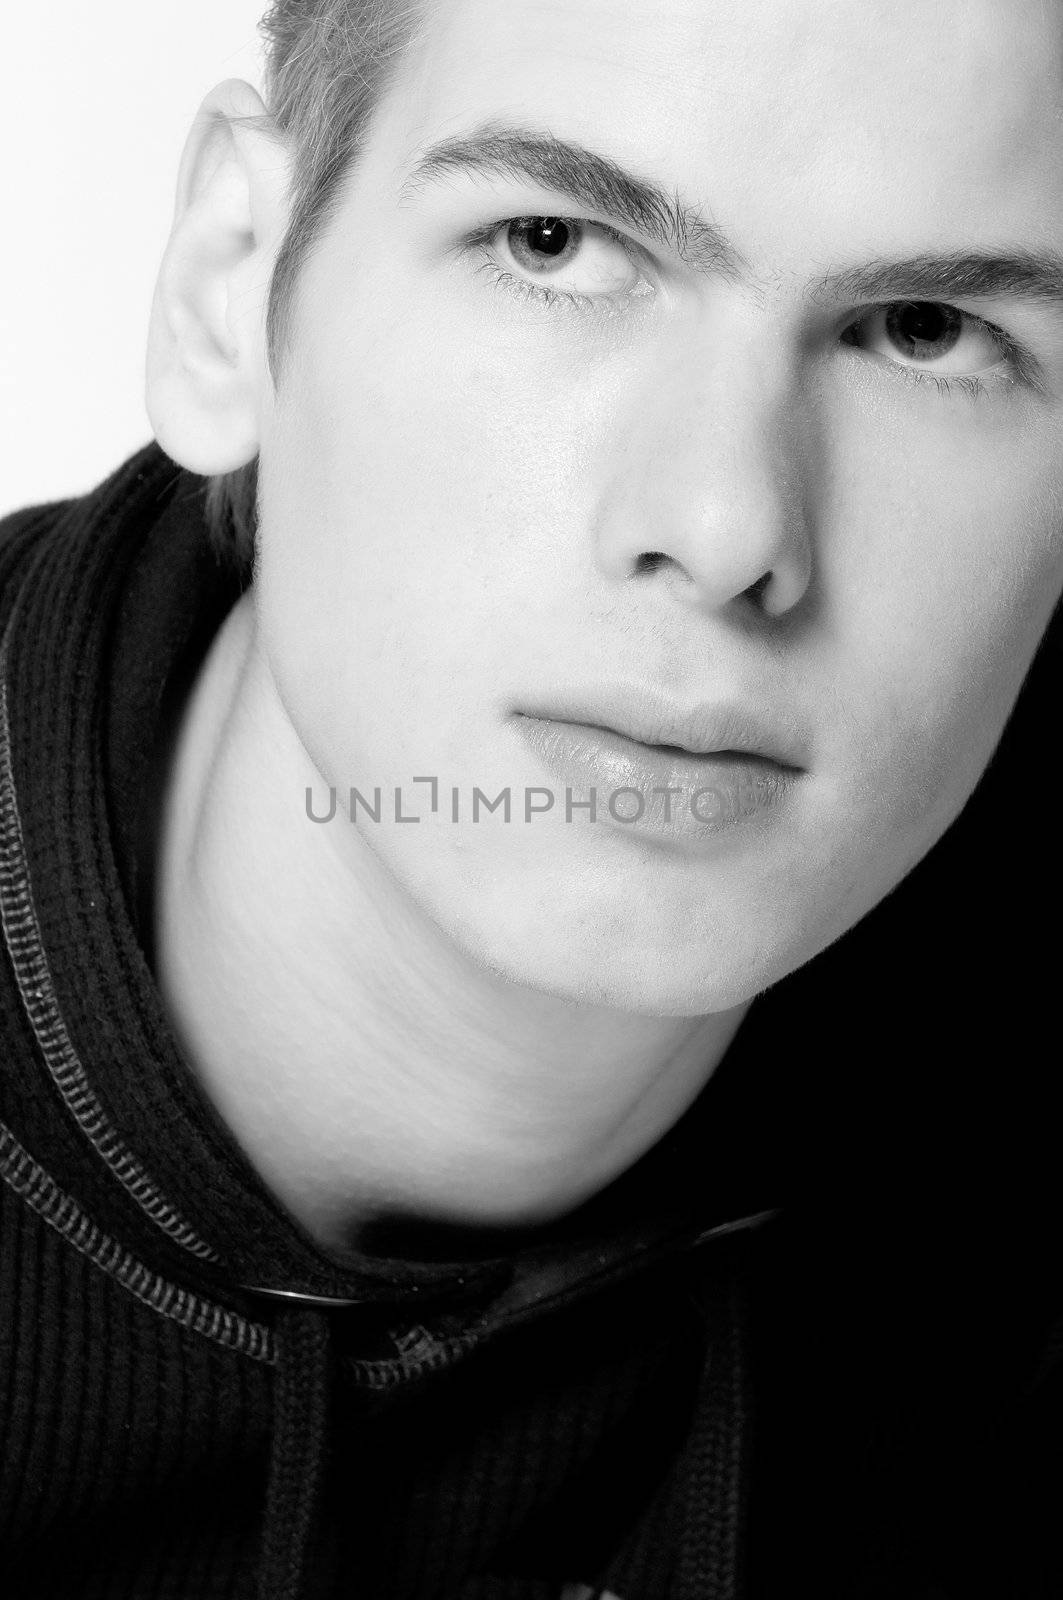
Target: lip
657,791
648,718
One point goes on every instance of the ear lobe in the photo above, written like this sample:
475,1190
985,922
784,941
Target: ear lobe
207,374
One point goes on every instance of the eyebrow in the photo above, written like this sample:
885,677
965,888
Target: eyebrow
501,149
953,275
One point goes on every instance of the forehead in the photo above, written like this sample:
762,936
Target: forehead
943,117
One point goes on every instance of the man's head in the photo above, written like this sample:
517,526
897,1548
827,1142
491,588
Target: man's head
803,455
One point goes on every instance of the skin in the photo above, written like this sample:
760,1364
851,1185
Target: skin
482,1025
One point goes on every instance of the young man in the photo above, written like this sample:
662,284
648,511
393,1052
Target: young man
525,934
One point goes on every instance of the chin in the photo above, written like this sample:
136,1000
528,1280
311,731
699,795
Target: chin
668,984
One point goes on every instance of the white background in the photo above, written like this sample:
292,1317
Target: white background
97,102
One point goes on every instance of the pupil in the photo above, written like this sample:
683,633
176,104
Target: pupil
923,322
915,324
549,235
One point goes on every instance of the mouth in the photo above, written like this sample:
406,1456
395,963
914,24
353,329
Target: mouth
689,789
723,731
686,764
751,757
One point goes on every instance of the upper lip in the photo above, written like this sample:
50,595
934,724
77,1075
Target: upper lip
709,727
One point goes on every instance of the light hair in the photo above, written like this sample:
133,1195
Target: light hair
328,65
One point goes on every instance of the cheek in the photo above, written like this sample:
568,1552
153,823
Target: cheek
939,600
428,481
408,506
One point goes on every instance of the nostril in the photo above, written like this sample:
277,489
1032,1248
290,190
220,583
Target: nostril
650,560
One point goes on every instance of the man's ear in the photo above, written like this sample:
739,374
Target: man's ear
207,373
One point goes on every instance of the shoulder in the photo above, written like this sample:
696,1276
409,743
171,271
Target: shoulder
17,528
20,534
135,493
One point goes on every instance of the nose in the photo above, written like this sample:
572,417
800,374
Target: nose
706,490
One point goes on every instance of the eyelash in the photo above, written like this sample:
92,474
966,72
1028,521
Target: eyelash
524,290
972,386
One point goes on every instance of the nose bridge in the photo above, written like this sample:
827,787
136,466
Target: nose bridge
724,422
709,469
726,412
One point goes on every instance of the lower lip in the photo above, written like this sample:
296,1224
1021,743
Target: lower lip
712,793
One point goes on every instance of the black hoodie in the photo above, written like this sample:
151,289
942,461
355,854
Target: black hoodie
807,1344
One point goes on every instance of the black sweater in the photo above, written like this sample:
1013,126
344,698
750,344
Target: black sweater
808,1344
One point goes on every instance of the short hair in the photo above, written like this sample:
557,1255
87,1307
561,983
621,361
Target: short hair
328,65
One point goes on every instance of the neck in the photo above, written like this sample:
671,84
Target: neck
370,1068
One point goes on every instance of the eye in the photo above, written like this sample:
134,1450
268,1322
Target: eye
565,258
926,334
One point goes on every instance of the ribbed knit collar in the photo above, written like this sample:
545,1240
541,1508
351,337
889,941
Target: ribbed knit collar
113,611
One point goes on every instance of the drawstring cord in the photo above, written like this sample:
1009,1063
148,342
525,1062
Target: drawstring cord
298,1454
693,1529
709,1565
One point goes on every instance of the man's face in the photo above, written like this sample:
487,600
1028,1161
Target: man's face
459,476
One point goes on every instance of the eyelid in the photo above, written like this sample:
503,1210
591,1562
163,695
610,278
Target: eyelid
1022,366
486,234
480,241
1009,346
859,313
